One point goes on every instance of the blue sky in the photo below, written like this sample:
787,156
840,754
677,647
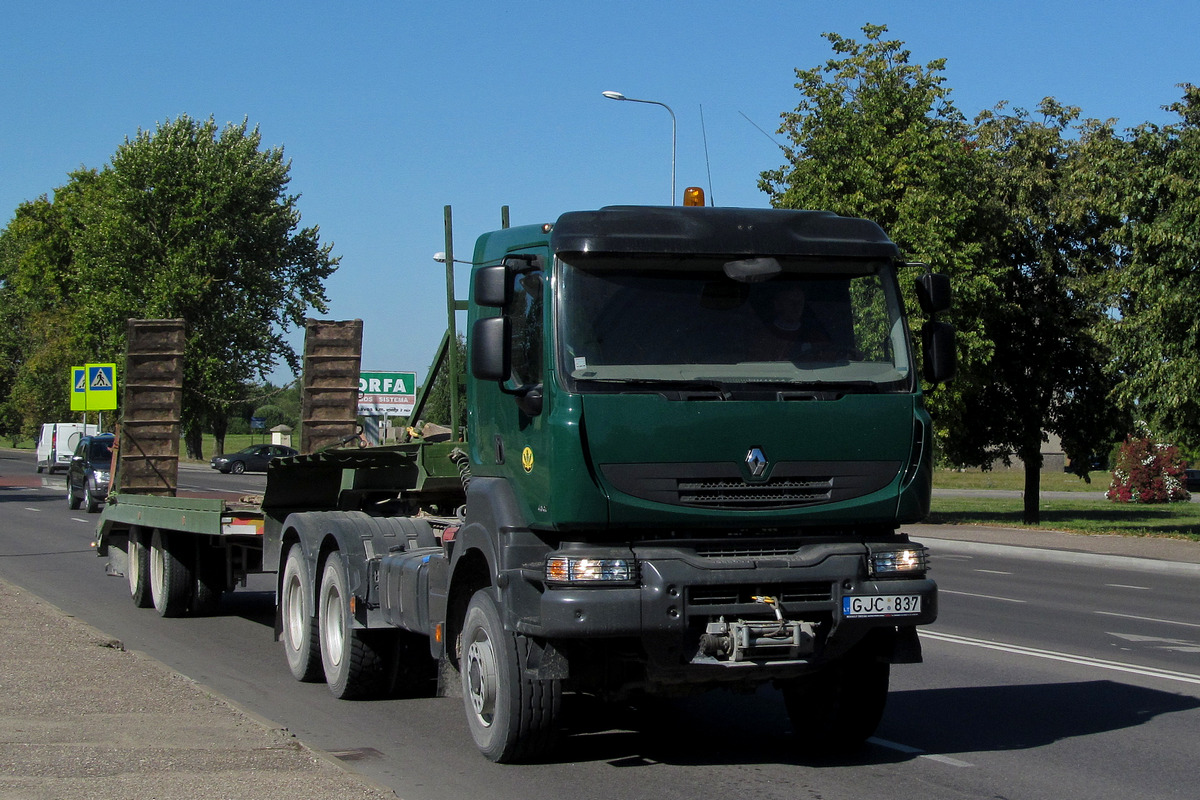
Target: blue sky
391,110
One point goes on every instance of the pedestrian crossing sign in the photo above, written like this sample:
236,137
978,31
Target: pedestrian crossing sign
79,389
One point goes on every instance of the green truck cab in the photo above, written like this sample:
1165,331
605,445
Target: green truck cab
693,434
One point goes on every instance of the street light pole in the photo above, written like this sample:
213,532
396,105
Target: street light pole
618,96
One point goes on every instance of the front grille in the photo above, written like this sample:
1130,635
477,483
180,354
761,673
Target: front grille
744,594
721,485
718,493
744,549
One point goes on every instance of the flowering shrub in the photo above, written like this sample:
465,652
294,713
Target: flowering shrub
1148,472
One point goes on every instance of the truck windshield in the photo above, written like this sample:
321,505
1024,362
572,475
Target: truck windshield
630,321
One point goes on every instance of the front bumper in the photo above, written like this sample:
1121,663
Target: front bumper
680,598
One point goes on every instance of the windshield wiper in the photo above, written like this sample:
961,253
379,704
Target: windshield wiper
704,387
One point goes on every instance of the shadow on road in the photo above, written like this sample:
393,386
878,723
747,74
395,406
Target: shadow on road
725,728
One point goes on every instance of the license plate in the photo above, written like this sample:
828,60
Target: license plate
885,605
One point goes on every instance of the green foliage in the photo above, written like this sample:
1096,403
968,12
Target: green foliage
437,404
189,221
1148,471
991,204
1149,180
273,415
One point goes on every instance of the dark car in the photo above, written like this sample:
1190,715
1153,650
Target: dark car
89,472
252,459
1192,479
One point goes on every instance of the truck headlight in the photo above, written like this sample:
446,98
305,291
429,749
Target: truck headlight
903,562
577,569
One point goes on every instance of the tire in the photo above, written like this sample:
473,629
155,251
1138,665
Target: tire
836,710
301,637
512,718
237,467
353,659
137,569
89,500
73,501
171,574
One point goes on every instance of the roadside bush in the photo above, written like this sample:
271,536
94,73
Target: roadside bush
1148,472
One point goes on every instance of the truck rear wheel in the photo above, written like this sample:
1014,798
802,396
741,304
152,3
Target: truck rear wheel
137,568
511,717
171,575
301,637
353,659
838,708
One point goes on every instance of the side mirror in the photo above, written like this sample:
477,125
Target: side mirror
490,352
491,286
938,351
933,292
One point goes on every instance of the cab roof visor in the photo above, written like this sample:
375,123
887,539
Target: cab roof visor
719,231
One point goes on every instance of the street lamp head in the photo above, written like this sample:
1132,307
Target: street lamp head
439,257
613,95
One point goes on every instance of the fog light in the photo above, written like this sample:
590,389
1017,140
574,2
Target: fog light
575,569
895,563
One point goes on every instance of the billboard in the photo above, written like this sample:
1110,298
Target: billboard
386,394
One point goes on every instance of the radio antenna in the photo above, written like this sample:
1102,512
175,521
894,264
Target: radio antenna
764,133
707,165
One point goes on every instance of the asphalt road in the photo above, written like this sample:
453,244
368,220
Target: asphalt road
1042,679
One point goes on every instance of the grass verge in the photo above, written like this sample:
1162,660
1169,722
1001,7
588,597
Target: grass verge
1174,520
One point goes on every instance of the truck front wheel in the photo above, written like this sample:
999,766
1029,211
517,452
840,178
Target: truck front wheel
301,637
353,659
838,708
511,717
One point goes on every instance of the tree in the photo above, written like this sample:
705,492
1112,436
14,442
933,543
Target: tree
878,137
195,222
1047,369
1149,180
437,404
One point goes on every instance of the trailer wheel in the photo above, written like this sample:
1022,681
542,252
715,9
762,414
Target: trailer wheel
171,576
353,659
511,717
137,569
838,708
301,636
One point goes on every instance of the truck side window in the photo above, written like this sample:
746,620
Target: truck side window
525,311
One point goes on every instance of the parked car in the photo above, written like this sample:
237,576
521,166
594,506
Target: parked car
1192,480
89,472
251,459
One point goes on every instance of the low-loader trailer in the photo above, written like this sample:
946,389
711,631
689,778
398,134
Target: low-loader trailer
692,435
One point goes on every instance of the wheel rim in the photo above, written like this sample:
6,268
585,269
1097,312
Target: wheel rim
481,678
292,611
332,626
134,566
157,568
238,468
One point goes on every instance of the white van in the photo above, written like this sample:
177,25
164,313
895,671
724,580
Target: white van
57,443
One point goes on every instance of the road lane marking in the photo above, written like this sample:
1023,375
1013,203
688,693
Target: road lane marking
915,751
1127,586
1016,649
983,596
1175,645
35,510
994,571
1148,619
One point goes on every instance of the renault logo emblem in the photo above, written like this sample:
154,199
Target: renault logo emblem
756,461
